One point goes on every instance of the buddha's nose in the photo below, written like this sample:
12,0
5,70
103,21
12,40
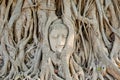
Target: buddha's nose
60,41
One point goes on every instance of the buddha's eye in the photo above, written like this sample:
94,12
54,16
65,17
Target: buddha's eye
55,36
64,36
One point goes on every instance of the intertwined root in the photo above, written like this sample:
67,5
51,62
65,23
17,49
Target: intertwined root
92,50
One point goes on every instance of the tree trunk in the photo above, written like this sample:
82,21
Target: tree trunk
60,39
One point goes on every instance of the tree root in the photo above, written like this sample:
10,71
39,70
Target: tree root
91,50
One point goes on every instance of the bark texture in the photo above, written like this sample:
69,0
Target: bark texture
60,39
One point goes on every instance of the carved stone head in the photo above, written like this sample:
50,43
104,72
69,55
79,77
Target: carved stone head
58,33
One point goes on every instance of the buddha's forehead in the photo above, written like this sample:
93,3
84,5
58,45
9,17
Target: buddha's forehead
59,30
59,26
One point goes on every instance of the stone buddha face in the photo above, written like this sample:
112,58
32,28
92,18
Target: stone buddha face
57,37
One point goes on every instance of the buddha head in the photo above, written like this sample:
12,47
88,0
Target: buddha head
58,33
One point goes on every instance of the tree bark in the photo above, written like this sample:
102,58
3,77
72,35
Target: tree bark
85,39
